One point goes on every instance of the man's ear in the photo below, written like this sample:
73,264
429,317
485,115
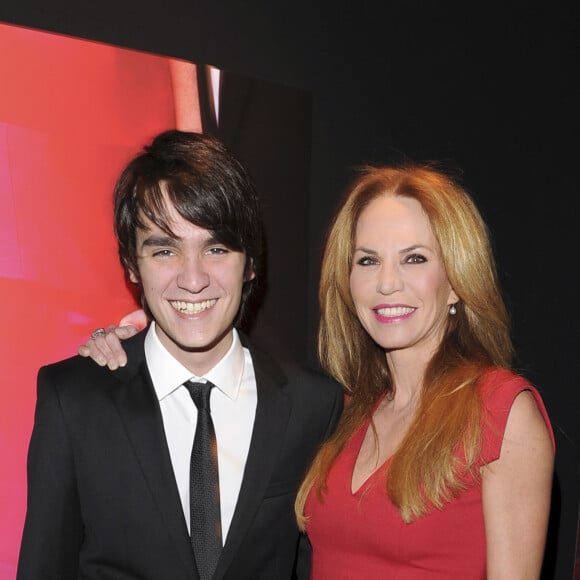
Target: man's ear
133,276
250,272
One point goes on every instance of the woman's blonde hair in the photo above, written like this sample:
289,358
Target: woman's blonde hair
425,469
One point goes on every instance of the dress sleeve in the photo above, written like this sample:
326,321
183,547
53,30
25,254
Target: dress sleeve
499,388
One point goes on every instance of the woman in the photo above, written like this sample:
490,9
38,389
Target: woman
441,466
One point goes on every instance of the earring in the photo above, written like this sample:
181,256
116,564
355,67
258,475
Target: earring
452,310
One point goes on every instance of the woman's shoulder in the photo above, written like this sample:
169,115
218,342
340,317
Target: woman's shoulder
500,382
499,388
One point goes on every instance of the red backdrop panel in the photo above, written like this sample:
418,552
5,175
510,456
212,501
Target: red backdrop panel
72,113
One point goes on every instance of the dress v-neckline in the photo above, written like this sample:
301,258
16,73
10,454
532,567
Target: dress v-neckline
356,447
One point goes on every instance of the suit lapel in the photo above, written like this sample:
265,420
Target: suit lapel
139,409
272,414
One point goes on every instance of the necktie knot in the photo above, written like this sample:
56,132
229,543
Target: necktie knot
200,393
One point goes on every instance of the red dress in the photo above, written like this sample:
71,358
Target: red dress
362,536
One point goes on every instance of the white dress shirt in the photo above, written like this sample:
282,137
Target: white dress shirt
233,409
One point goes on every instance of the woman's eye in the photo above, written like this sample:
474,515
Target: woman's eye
415,259
366,261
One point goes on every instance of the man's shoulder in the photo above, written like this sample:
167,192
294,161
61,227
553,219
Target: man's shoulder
82,372
315,399
74,378
298,373
294,377
71,367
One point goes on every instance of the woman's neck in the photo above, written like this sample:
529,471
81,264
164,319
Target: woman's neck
408,374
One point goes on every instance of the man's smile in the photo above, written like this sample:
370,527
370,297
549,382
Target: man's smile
192,307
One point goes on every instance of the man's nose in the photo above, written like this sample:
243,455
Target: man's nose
193,275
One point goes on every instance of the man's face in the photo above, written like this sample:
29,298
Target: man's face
193,287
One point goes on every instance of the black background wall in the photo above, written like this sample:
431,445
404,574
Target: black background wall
493,93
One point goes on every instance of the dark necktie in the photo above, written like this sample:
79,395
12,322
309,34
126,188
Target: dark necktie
204,489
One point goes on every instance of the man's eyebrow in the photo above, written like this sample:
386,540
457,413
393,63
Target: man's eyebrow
172,241
159,241
213,239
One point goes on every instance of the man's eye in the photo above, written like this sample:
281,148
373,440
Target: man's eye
217,251
162,253
415,259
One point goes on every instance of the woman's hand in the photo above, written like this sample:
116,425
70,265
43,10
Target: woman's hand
104,346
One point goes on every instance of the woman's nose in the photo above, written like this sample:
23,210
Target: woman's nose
389,280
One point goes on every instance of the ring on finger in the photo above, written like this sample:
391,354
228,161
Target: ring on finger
98,332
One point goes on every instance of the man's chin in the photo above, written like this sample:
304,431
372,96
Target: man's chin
201,343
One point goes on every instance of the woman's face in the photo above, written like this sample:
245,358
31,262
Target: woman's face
398,281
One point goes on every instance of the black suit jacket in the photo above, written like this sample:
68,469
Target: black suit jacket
102,498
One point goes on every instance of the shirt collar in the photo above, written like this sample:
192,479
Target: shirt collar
168,374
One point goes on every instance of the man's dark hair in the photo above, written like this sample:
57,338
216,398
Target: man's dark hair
206,185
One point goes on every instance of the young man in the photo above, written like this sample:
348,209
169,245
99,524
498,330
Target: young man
109,488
